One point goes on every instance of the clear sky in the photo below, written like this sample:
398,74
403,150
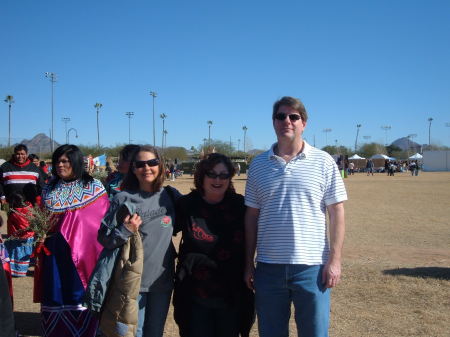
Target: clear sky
368,62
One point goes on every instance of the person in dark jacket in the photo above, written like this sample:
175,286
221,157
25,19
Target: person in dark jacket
35,159
6,312
210,296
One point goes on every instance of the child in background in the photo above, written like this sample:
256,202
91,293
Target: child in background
20,247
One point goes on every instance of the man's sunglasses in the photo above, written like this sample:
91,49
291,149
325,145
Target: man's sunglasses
141,163
221,176
292,117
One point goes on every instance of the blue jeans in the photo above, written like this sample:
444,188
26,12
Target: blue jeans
277,286
153,308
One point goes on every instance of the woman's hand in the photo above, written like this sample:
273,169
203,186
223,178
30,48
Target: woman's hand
132,222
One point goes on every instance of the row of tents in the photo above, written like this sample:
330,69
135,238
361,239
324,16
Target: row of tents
416,156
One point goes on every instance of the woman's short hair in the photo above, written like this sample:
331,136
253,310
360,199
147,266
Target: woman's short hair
130,181
293,103
75,156
207,164
127,152
33,156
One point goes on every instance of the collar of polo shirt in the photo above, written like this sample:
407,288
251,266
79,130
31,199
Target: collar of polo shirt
306,150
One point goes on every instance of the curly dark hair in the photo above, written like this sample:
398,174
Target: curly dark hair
208,164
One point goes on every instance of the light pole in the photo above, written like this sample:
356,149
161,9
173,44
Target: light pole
165,137
52,77
10,100
154,95
245,134
429,132
204,144
386,128
210,123
327,131
163,117
129,114
447,125
65,121
358,126
68,134
411,135
98,106
239,143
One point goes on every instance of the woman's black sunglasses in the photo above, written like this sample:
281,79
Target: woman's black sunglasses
292,117
221,176
151,163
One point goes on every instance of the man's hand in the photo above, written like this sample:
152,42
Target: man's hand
331,274
132,222
249,273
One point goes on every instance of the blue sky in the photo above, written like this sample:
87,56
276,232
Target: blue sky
367,62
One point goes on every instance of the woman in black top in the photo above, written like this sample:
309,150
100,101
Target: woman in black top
210,297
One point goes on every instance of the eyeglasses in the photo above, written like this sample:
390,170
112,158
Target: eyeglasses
151,163
292,117
63,161
221,176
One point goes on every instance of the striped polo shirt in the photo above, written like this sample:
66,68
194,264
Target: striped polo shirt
292,199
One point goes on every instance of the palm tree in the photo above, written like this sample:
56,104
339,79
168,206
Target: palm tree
163,117
98,106
209,131
10,100
245,133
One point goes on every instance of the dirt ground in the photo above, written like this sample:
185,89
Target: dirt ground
396,272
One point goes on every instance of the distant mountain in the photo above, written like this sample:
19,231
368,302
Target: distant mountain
407,144
39,144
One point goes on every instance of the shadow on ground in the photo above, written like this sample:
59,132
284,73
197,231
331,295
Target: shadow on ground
424,272
28,323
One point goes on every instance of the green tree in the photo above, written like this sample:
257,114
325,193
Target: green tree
336,150
219,147
369,149
178,152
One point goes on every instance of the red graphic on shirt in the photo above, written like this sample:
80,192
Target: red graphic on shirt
200,234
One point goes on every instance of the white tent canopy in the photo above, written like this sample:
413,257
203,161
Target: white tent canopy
416,156
355,156
381,156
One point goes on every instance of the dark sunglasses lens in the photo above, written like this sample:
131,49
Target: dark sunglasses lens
151,163
282,117
221,176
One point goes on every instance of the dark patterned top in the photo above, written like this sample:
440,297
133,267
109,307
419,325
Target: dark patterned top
211,257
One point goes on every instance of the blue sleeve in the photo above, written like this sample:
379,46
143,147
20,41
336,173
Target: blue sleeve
112,234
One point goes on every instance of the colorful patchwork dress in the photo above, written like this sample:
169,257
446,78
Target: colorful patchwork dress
69,257
21,247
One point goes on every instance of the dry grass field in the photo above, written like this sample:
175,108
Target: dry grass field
396,261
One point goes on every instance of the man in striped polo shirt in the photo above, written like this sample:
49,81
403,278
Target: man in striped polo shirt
289,190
